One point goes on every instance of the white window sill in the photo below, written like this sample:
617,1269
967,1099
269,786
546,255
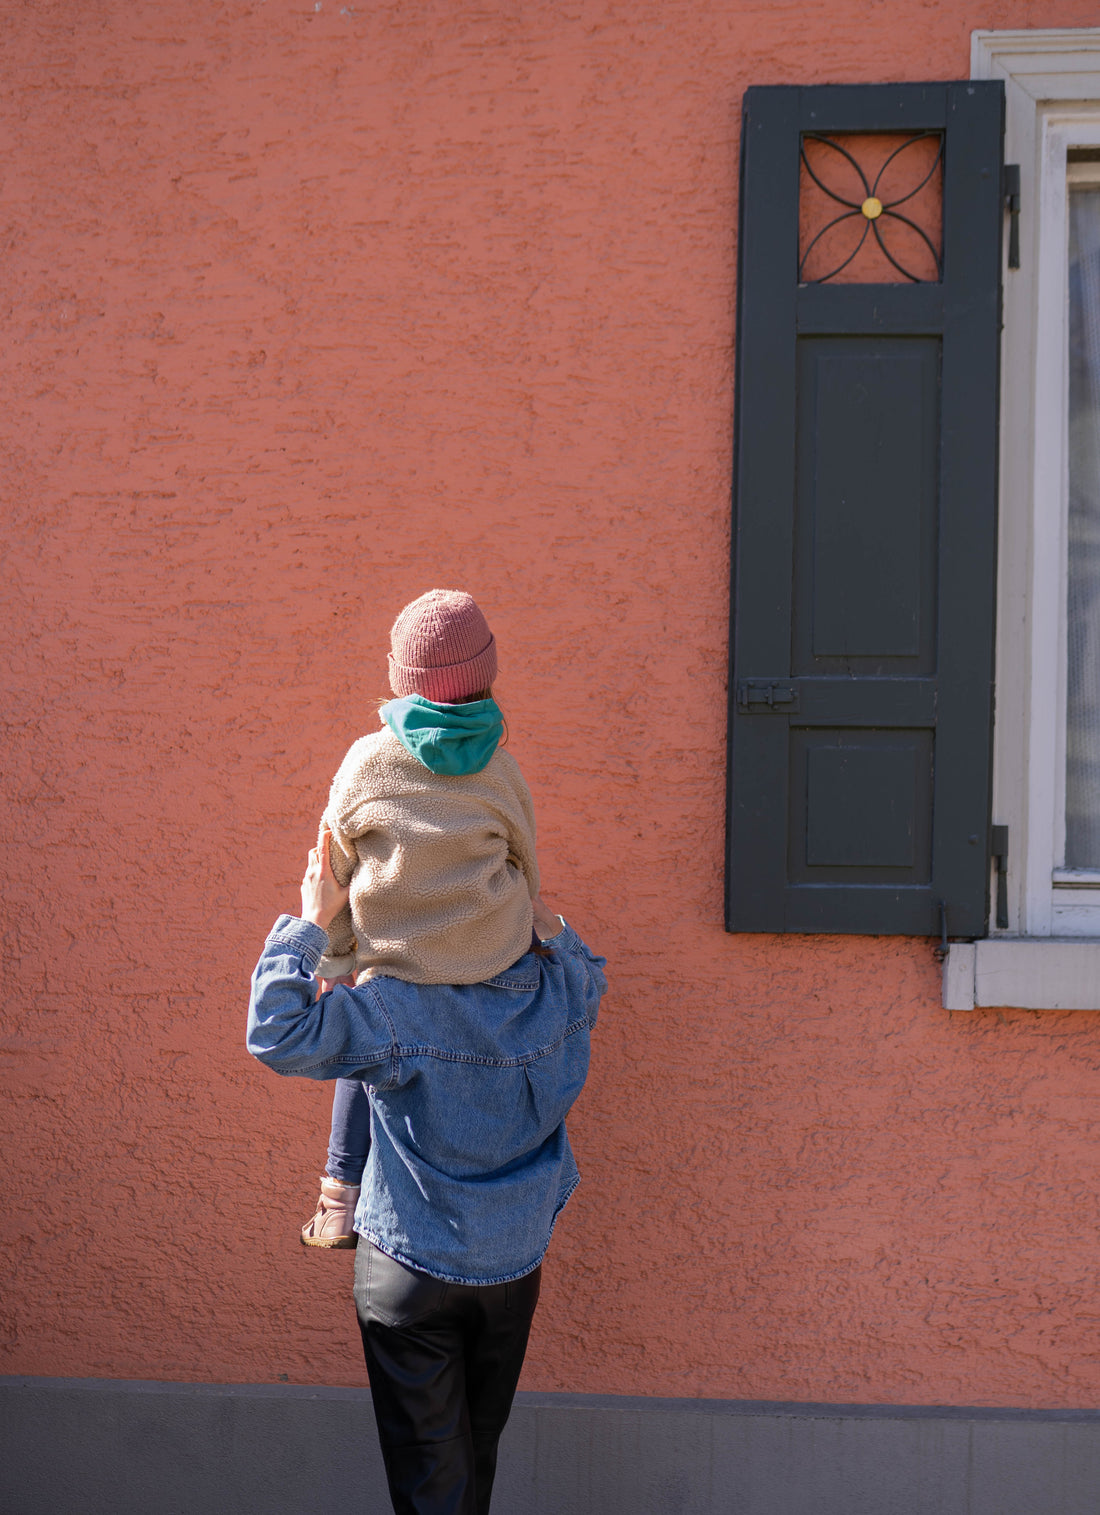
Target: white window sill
1026,973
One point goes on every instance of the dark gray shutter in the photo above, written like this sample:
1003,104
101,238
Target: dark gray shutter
864,543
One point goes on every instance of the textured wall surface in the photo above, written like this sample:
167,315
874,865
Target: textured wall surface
306,308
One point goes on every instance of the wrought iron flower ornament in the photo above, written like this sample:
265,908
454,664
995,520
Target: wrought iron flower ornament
872,208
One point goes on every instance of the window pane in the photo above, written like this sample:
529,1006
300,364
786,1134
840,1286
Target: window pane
1083,600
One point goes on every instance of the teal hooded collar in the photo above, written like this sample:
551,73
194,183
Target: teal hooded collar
451,739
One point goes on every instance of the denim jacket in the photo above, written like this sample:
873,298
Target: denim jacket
469,1086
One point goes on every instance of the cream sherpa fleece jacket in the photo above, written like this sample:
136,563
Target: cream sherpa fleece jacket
442,868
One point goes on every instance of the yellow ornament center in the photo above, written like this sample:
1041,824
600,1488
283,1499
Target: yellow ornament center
871,208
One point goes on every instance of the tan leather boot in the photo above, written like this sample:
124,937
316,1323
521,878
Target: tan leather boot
333,1224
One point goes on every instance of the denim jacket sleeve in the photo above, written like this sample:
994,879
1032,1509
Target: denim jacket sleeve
343,1034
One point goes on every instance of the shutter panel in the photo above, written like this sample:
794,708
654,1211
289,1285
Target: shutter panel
865,523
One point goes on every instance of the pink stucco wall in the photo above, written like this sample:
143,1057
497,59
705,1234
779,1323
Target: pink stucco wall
306,308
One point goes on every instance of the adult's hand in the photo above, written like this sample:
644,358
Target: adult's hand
322,897
330,983
547,923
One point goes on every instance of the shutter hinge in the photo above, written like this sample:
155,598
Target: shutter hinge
999,849
942,947
770,693
1011,188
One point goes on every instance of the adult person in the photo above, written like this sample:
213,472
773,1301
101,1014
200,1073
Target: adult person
469,1166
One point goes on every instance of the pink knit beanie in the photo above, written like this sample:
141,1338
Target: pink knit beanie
442,648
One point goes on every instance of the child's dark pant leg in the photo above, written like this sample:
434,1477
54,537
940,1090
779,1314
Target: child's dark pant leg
349,1138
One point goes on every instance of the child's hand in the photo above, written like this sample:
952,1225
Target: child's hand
322,897
547,923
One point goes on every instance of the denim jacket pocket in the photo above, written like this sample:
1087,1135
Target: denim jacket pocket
396,1295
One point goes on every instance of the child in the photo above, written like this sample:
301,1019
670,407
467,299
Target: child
433,826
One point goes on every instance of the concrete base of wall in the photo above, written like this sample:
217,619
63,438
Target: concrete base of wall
107,1447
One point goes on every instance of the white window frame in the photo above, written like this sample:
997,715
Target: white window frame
1049,955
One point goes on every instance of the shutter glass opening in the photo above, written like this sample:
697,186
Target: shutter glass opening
861,688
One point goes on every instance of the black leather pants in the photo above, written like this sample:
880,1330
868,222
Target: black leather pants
444,1360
